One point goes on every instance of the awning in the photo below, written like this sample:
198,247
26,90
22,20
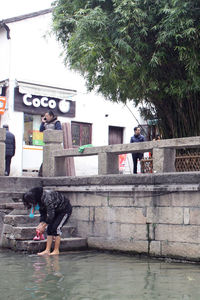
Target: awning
45,90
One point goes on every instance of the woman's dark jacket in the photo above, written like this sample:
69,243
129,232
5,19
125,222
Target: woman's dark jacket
51,204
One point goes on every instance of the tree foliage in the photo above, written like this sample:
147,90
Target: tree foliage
144,50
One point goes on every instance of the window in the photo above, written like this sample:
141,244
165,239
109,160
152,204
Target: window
81,133
32,135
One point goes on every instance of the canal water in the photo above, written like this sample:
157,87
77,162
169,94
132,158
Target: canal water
95,276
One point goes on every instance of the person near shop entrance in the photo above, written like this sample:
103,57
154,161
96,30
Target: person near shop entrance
49,121
10,149
136,138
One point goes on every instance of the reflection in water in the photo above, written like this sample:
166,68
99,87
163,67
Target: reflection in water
95,276
46,278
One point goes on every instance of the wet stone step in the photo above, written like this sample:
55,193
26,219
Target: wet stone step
67,244
8,196
22,219
28,233
12,205
22,211
25,220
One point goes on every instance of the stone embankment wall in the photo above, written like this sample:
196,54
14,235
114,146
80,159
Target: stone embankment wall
153,214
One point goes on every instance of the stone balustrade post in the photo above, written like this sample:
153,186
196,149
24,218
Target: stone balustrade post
53,140
2,150
108,163
164,160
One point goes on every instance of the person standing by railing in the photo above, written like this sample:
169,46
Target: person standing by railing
136,138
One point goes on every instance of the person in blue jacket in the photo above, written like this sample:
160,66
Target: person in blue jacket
136,138
10,149
49,121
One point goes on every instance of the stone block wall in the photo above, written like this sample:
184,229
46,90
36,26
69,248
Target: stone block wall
159,218
140,222
154,214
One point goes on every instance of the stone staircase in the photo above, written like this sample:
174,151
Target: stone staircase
19,230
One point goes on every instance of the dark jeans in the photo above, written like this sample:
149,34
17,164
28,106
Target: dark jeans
135,157
58,222
7,166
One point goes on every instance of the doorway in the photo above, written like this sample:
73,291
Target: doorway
115,135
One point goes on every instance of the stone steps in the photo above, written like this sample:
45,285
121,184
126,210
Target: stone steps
27,233
19,230
20,219
9,197
67,244
12,205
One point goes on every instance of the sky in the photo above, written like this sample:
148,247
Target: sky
14,8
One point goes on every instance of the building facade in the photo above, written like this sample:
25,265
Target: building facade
34,79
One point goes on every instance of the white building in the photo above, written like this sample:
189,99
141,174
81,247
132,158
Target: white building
33,79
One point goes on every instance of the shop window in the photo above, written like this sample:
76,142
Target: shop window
32,135
81,133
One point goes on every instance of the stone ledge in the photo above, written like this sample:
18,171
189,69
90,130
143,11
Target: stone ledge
127,188
18,184
67,244
188,251
124,245
165,179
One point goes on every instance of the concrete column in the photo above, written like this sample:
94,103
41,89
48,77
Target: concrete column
108,163
164,160
2,150
53,140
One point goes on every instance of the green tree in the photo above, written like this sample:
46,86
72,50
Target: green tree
141,50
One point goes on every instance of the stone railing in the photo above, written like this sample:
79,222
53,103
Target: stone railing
2,150
163,154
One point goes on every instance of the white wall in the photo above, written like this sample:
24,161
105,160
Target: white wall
34,56
4,55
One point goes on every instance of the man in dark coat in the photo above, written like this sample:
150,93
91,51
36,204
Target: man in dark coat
10,149
136,138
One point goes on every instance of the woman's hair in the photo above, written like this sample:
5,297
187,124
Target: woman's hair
157,136
51,113
32,197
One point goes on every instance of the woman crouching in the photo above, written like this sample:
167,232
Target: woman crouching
55,211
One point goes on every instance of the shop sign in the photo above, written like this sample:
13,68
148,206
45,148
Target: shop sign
40,104
2,104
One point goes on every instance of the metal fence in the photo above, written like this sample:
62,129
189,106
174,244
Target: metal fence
188,161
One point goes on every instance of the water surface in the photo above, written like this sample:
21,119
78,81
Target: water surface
95,276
